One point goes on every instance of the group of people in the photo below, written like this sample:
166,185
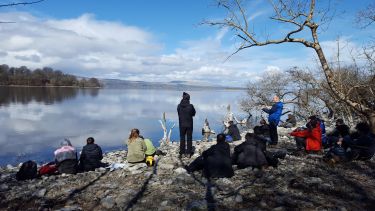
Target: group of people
217,161
67,160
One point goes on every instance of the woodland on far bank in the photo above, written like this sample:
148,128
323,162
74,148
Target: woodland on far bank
23,76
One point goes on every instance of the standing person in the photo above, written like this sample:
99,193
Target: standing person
136,147
186,111
66,158
274,115
91,156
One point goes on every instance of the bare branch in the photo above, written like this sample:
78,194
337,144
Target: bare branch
20,3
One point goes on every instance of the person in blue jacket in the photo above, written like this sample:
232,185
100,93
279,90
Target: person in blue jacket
274,115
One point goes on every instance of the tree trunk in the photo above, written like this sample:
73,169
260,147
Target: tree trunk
371,120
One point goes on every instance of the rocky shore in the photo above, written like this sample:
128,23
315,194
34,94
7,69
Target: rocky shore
299,182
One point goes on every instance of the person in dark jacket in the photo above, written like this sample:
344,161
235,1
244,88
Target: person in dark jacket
361,143
186,111
274,115
250,153
337,152
91,156
215,161
66,158
233,131
263,130
341,130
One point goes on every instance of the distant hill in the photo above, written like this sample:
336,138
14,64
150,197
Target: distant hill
174,85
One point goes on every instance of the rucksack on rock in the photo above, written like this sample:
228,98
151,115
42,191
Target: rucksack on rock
28,170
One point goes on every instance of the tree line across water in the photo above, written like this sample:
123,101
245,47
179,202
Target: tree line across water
46,76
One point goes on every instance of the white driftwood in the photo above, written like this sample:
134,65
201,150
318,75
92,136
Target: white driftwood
166,135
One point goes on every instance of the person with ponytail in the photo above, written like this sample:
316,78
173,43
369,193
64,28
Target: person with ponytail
136,147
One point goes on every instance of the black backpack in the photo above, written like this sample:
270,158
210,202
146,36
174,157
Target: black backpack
28,170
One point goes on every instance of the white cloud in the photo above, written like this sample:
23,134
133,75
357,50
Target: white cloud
90,47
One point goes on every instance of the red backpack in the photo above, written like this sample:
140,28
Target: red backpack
48,169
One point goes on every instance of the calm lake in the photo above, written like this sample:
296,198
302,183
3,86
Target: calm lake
33,121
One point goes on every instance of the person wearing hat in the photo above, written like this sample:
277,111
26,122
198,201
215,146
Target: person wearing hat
186,112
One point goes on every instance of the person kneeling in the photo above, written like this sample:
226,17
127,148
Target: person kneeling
215,161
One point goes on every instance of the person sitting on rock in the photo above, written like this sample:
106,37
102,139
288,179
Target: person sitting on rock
136,147
341,130
250,153
233,131
309,138
361,143
215,161
263,130
337,153
151,149
66,158
289,122
91,156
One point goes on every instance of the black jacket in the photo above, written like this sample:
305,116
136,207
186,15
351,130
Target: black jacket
364,144
249,153
340,131
234,132
263,130
217,161
186,111
91,157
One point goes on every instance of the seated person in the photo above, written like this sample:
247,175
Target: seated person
136,147
337,153
66,158
91,156
253,153
151,149
215,161
233,131
250,153
289,122
341,130
263,130
310,138
361,143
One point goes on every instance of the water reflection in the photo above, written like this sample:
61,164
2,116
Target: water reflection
32,129
47,95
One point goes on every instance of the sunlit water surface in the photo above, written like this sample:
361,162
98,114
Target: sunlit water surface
33,121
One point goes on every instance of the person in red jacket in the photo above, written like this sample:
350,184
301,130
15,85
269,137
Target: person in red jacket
310,138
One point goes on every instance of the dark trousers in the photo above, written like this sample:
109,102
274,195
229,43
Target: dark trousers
186,131
273,133
300,143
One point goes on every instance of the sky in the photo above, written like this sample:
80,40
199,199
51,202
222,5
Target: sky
163,40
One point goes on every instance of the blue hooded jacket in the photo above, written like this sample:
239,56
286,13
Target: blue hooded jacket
274,113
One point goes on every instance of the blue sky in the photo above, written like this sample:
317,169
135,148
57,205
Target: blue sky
160,40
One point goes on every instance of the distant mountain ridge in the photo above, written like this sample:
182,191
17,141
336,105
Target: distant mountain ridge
174,85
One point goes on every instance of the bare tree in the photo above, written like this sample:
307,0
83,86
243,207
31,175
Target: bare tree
303,18
366,17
